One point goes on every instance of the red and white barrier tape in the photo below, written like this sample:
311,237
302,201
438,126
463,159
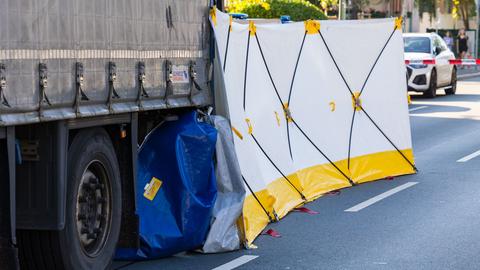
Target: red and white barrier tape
464,62
419,62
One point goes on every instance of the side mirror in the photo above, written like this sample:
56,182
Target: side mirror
437,50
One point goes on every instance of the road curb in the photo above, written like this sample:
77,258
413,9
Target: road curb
465,76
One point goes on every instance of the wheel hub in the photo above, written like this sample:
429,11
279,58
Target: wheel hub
93,209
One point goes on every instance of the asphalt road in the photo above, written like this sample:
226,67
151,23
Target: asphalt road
434,224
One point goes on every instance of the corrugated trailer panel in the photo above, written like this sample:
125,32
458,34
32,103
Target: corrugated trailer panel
171,38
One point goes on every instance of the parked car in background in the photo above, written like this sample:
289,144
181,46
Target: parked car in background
428,78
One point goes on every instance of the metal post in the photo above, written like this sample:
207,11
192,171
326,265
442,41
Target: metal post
340,10
477,36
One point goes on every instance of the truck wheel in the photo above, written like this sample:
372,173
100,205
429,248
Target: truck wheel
432,89
93,211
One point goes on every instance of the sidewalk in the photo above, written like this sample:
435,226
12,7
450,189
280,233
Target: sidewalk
468,72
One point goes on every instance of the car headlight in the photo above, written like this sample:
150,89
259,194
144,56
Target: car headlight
418,65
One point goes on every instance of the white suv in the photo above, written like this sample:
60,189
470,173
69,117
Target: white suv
427,78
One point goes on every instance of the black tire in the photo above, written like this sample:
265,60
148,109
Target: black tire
453,84
91,153
432,89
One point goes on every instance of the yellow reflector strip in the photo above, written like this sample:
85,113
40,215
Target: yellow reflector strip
151,189
409,99
252,28
312,27
239,135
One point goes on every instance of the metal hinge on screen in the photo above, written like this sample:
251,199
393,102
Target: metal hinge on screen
3,85
43,84
142,77
80,81
112,77
169,17
193,79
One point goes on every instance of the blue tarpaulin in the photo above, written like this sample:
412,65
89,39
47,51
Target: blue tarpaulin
177,217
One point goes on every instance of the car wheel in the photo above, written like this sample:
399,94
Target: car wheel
453,84
432,89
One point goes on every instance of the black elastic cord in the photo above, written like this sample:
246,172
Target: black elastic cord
246,70
323,154
276,167
226,49
376,60
290,93
350,138
268,70
256,198
287,124
336,65
296,66
276,92
388,139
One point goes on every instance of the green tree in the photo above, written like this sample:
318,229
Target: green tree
325,5
462,9
427,6
298,10
465,9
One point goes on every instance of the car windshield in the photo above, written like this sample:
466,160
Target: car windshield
417,44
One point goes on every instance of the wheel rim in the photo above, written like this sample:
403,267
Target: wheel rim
93,211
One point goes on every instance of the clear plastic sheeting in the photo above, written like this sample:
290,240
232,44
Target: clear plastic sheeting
175,189
224,233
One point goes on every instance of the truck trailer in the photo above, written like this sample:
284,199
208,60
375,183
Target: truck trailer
82,82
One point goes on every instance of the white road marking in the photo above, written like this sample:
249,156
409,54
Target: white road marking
471,156
380,197
236,263
417,108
